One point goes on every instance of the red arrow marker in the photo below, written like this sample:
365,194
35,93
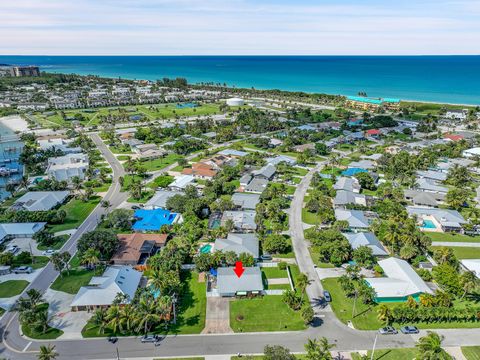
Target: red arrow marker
239,269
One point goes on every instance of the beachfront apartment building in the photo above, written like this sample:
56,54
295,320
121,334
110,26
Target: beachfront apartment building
371,104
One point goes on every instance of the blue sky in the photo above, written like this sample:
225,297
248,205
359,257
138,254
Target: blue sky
178,27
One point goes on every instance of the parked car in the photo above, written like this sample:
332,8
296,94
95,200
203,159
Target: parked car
266,257
13,249
23,270
112,339
49,252
409,330
135,207
388,330
149,338
327,296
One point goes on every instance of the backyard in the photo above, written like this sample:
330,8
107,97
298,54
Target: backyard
77,211
72,282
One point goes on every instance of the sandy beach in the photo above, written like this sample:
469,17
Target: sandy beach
14,123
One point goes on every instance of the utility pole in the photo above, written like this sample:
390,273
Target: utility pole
354,304
374,344
174,301
118,354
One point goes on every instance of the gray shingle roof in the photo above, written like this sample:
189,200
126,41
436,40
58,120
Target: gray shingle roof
366,239
239,243
229,283
245,200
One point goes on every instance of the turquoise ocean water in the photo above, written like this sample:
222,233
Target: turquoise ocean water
450,79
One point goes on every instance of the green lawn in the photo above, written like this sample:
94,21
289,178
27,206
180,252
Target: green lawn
77,211
11,288
391,354
73,282
471,352
120,150
261,357
464,252
310,218
452,237
50,334
274,273
39,262
267,313
158,164
146,195
316,259
366,315
190,358
59,241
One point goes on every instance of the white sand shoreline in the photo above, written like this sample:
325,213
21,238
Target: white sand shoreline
15,123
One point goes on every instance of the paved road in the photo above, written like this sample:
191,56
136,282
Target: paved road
459,244
300,246
114,195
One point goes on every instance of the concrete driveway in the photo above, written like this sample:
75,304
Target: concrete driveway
218,316
70,322
26,244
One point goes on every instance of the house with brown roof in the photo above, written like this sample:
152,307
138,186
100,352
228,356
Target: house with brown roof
201,170
136,248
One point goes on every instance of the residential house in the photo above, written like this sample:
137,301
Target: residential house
301,148
19,230
432,175
343,198
233,153
362,164
347,184
246,201
59,144
437,220
472,265
266,172
201,170
373,133
281,159
40,200
423,198
229,284
256,186
460,115
101,291
64,168
136,248
239,243
399,283
366,239
159,200
242,220
181,182
358,220
430,186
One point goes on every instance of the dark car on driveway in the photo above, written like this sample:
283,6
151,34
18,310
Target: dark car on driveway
409,330
388,330
112,339
327,296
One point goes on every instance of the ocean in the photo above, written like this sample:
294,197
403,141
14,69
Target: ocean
10,149
447,79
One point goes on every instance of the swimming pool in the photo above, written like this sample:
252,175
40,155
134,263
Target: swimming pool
205,249
428,224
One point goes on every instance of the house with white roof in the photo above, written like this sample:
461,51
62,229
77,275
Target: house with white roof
102,290
266,172
281,158
10,231
242,220
430,186
181,182
437,220
366,239
400,282
344,198
64,168
432,175
472,265
59,144
40,200
470,153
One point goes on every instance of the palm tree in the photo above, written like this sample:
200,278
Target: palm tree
384,314
318,349
430,347
106,204
91,258
146,314
468,280
47,352
114,318
302,282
